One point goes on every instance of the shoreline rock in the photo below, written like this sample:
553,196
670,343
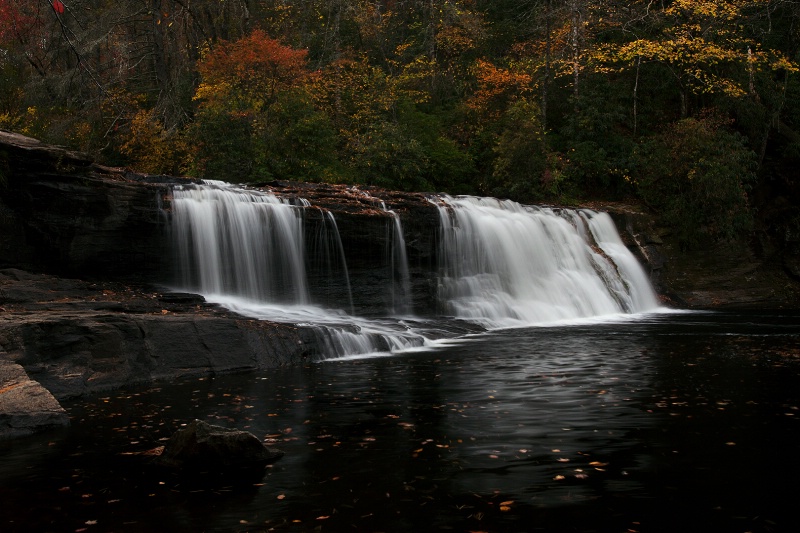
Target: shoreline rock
26,407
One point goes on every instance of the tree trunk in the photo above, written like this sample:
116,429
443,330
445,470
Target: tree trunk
160,67
684,103
636,96
576,55
546,81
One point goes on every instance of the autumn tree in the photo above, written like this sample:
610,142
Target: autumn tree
705,47
256,118
364,105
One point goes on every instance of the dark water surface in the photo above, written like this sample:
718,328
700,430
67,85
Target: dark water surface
674,423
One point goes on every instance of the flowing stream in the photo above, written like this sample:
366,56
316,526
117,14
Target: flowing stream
502,265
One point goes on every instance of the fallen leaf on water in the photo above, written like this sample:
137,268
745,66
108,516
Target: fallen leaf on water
323,517
505,508
559,477
505,504
281,496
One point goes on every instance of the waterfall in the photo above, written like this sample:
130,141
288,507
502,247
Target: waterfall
239,242
640,291
246,249
501,264
398,264
329,260
505,264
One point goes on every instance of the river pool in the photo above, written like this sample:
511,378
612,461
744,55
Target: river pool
673,422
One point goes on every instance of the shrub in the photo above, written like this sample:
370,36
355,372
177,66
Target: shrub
696,174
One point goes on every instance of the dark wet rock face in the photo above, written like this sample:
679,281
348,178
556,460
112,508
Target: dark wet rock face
63,214
722,275
366,229
201,446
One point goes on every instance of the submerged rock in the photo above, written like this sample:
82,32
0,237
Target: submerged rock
203,447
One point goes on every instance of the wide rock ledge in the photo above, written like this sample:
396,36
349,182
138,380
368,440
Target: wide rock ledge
78,337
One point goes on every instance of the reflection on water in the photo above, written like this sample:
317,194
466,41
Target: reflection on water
685,422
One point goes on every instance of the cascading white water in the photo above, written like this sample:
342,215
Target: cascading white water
239,242
502,265
328,251
505,264
640,291
245,249
398,264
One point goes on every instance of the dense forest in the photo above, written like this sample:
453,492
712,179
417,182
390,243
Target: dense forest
690,106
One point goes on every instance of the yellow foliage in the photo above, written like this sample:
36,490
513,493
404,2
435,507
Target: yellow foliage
80,135
152,149
31,122
704,45
10,121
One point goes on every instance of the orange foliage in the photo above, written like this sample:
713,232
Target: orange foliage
254,67
497,87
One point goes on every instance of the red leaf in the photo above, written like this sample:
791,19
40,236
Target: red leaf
58,6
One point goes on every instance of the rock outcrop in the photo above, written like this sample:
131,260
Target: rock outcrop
76,337
724,275
25,405
62,214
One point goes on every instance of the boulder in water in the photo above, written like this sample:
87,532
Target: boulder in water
201,446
